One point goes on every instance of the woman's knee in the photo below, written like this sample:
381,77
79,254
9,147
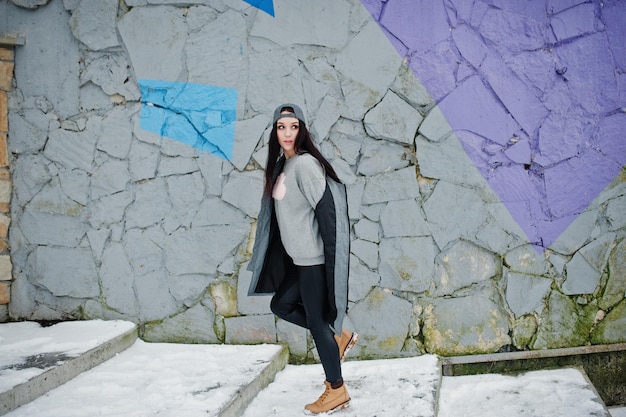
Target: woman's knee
279,308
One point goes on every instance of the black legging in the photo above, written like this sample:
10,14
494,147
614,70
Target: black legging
302,299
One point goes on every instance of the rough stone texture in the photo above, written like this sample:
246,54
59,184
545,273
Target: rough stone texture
68,271
295,337
585,268
616,284
5,292
224,296
250,329
377,340
612,329
564,323
462,264
460,142
393,119
404,263
194,325
525,293
93,23
465,325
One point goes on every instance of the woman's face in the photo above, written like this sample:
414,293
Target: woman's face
287,130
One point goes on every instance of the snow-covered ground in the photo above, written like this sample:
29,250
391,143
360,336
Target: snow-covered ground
197,380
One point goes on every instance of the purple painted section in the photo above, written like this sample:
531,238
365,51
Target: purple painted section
534,89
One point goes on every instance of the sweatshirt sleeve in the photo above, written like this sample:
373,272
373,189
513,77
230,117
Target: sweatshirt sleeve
311,179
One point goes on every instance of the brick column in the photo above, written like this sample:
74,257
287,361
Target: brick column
6,276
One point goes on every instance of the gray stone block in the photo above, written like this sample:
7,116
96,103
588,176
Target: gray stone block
366,251
66,271
348,148
256,304
615,213
294,336
185,193
116,135
409,88
462,264
454,212
393,119
214,211
117,281
109,178
176,165
394,185
97,240
371,74
526,259
465,325
28,132
584,270
213,52
284,31
243,190
151,204
30,174
75,184
448,161
564,324
71,149
109,209
153,296
155,54
406,263
248,133
41,228
250,329
525,293
144,249
366,229
574,237
614,291
93,23
211,169
193,325
403,218
361,280
376,340
143,160
612,329
185,255
381,156
108,74
58,83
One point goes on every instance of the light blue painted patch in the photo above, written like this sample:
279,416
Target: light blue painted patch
266,5
202,116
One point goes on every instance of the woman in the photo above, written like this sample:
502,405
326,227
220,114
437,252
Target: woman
302,247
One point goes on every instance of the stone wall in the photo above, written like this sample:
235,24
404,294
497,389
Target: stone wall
137,136
6,80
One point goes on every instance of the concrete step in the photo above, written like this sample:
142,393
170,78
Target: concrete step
405,387
35,359
141,379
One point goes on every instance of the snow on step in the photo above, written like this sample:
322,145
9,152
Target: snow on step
397,387
554,393
169,380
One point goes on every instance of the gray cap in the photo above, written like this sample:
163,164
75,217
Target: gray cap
297,112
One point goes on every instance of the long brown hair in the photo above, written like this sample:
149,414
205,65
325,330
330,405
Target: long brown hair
304,143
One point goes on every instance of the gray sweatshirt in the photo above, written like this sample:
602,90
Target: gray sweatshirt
296,193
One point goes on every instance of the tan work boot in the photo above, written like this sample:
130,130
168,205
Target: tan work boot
346,342
330,401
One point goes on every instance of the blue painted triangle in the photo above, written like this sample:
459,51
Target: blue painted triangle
266,5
